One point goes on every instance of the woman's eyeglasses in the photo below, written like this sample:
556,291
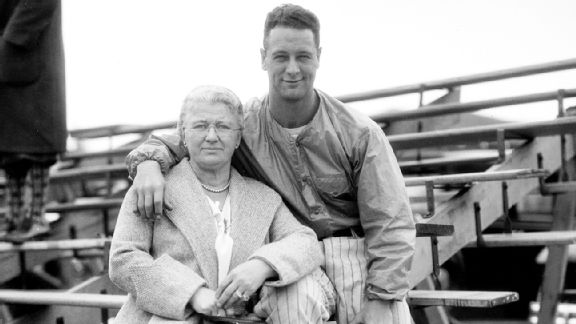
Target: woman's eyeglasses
219,128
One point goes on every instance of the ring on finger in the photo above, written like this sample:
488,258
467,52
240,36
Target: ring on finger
242,296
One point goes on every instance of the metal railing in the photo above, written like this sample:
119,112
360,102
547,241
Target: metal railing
463,80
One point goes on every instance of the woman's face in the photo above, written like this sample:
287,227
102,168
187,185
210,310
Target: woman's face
211,133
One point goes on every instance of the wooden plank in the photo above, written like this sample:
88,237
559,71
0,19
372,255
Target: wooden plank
123,151
478,161
42,297
89,172
460,298
459,211
467,107
528,239
57,245
476,176
114,130
474,135
78,206
415,297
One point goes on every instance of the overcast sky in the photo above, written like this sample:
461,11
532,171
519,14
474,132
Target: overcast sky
133,61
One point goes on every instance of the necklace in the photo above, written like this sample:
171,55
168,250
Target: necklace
215,190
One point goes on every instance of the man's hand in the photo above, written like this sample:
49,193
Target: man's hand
204,301
149,189
243,281
375,311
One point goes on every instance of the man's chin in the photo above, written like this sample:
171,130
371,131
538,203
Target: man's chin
293,95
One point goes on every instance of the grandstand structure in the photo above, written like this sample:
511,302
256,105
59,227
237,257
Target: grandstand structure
474,188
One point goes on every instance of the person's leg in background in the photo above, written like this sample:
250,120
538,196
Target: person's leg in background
26,190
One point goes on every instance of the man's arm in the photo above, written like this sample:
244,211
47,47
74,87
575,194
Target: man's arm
389,229
386,218
146,166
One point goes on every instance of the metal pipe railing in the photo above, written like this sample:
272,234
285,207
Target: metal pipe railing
453,108
35,297
463,80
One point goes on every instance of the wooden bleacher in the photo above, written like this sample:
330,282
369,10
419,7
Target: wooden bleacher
470,188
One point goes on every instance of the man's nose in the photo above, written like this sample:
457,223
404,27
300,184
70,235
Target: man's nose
293,67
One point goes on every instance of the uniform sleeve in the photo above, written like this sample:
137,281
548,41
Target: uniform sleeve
29,19
385,216
161,286
293,251
166,149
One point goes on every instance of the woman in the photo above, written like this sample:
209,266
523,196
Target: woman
178,266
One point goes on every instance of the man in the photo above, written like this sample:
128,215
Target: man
333,167
32,109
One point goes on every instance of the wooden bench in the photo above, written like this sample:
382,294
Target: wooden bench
91,172
528,239
460,298
102,204
95,204
57,245
475,135
114,130
436,110
415,297
118,152
39,297
455,164
476,177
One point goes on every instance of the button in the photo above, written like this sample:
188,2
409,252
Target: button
316,209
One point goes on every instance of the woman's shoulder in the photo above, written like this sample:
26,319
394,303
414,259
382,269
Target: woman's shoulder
259,188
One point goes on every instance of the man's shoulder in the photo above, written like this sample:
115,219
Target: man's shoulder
252,106
348,117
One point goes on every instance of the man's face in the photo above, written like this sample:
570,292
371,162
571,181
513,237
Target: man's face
291,59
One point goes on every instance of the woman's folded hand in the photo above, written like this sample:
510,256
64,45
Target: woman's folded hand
242,282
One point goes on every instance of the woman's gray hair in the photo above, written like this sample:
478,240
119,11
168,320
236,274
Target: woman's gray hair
212,95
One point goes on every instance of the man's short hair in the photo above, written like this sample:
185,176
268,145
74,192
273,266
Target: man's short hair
292,16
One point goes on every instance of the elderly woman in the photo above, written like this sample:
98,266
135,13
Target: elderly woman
217,220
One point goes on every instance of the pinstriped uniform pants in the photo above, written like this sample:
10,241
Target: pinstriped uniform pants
346,266
305,301
313,299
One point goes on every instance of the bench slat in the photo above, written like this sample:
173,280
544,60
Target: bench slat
75,244
528,239
460,298
77,206
61,298
415,298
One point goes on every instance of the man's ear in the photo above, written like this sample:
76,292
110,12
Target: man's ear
263,59
319,52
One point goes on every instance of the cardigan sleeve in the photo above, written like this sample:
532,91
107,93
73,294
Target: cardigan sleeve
161,286
293,251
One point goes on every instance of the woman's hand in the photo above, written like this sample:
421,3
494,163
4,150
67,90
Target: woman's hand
242,282
204,301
